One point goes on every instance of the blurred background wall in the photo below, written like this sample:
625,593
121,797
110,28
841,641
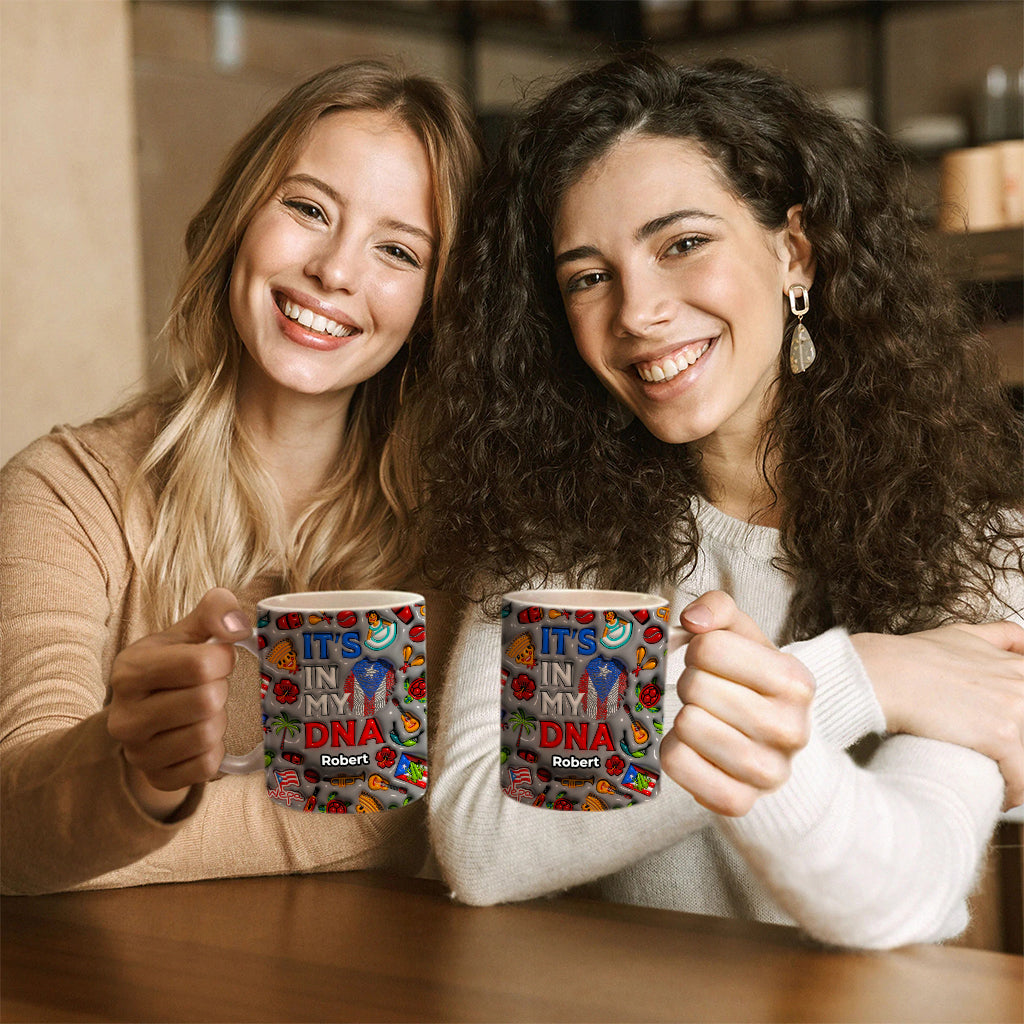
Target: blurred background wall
71,266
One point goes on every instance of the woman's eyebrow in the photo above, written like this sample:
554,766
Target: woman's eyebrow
409,229
337,198
642,234
581,252
322,186
652,227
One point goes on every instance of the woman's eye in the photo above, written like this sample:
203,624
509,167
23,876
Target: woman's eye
310,210
585,281
398,252
682,246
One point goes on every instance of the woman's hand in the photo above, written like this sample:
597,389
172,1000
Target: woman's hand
746,710
168,702
960,683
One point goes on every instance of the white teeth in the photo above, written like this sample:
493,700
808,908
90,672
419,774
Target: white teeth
667,368
314,321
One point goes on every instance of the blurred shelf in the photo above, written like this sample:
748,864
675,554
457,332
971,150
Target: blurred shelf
987,257
584,23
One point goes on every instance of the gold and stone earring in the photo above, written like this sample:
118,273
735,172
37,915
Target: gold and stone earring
801,348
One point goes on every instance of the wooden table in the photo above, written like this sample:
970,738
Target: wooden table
369,947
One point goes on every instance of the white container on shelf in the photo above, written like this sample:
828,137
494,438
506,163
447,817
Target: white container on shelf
971,190
1011,155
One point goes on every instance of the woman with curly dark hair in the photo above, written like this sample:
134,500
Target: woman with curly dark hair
700,346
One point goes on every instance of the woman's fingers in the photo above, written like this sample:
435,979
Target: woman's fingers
169,690
152,665
179,775
780,721
1007,636
709,785
763,766
746,709
716,610
137,722
764,669
959,683
217,616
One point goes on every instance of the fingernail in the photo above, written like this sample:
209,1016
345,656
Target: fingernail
235,622
699,615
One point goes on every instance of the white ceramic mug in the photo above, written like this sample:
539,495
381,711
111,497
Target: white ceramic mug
583,676
343,698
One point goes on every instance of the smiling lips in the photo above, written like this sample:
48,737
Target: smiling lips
314,321
667,367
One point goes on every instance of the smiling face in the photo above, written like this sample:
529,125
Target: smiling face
673,290
332,270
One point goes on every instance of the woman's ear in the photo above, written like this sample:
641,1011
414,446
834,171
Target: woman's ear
801,253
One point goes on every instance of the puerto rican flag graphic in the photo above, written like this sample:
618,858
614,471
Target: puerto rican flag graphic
518,781
369,686
603,685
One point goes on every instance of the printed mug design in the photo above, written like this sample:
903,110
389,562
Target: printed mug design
344,699
581,714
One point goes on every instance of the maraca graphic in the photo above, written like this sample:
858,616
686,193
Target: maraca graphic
408,661
641,665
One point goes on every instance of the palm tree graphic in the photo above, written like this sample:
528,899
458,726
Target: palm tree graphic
522,720
286,727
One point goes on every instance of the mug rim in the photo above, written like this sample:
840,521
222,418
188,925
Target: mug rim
582,599
339,600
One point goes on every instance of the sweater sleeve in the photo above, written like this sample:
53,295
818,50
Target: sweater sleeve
67,812
879,856
492,849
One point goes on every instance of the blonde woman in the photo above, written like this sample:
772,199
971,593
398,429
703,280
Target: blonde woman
275,459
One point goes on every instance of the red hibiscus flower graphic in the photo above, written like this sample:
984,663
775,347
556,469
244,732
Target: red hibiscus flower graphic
418,689
562,804
649,695
286,692
615,765
385,757
523,686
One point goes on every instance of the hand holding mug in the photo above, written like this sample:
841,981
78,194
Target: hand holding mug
168,696
746,710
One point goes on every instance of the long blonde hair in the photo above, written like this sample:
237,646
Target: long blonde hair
217,517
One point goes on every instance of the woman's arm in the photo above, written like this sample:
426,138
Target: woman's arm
70,815
880,856
872,857
493,849
68,811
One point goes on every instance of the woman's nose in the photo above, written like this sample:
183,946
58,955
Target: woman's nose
335,264
644,305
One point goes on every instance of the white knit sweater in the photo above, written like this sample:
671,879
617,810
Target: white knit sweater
875,856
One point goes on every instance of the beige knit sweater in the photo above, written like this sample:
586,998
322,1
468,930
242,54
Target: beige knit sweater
71,600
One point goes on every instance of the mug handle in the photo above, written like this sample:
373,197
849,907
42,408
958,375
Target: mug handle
242,764
676,639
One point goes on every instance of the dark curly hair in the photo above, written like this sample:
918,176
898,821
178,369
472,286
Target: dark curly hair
898,455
